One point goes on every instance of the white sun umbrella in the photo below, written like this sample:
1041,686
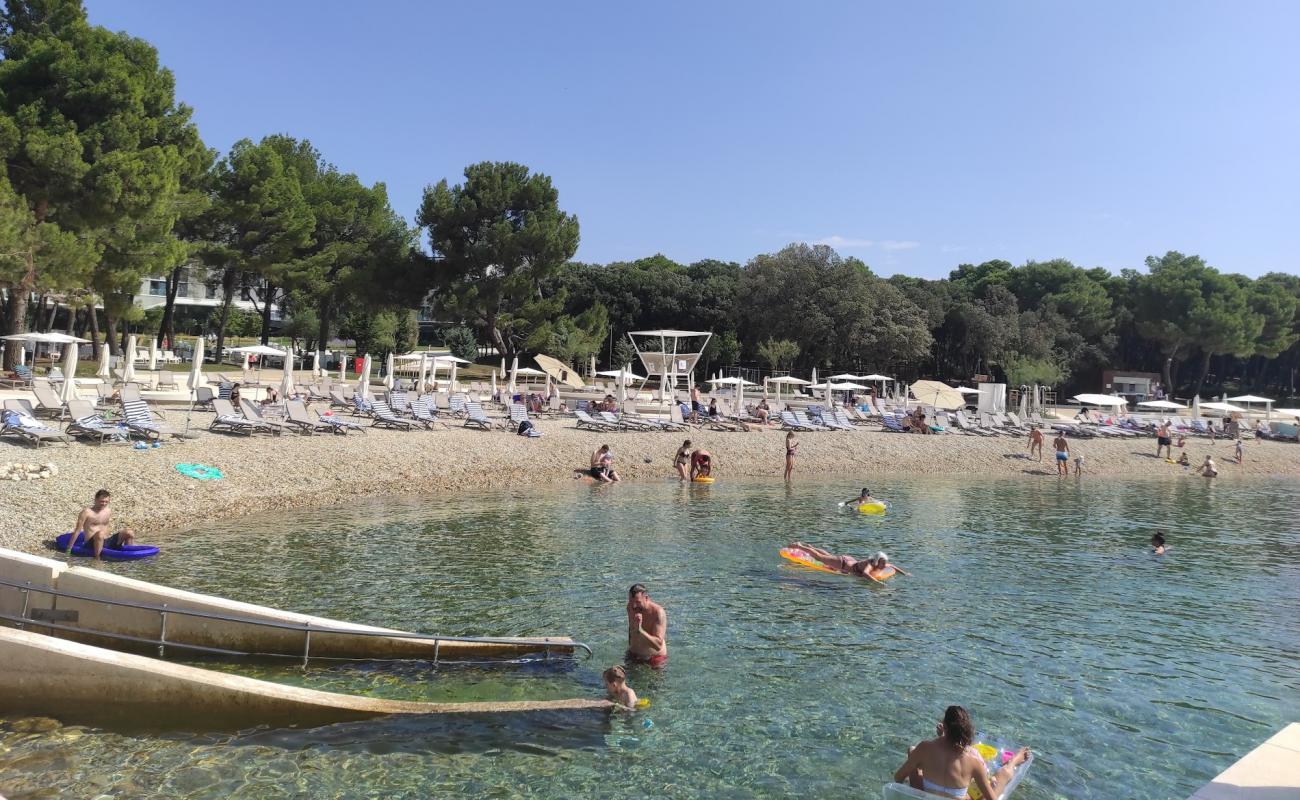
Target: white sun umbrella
593,366
244,367
104,370
1196,407
503,366
424,373
343,365
830,399
363,387
451,379
286,377
390,367
1226,408
1290,412
1250,399
814,375
69,391
315,364
261,351
1166,405
622,393
844,376
196,367
153,353
786,380
1024,403
195,380
1103,400
128,368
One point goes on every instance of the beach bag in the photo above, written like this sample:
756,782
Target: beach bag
524,428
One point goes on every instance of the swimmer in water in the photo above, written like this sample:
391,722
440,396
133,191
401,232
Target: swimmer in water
1208,469
861,499
877,567
616,688
1158,543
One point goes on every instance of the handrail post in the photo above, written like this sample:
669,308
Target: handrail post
27,600
306,645
162,632
437,644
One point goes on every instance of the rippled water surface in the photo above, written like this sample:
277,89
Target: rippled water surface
1034,603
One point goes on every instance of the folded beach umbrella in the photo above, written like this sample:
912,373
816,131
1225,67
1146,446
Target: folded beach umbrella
104,359
247,361
451,379
153,353
494,383
315,364
424,373
128,367
363,388
286,377
69,391
388,371
196,367
514,376
343,365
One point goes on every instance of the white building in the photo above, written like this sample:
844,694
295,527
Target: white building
198,288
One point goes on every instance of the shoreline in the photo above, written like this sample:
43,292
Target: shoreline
288,472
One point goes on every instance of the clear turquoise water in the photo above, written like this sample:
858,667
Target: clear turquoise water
1034,603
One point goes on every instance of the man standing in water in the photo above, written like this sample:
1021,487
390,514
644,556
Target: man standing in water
1062,449
95,520
647,629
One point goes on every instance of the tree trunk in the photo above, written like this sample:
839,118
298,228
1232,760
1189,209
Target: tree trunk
17,319
1167,374
323,327
110,324
167,327
1205,370
267,299
227,297
94,330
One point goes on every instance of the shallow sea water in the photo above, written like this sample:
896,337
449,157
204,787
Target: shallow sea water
1034,603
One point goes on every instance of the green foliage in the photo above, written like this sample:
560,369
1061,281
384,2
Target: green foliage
573,340
495,239
303,324
375,332
1024,370
461,341
624,353
778,354
407,336
243,323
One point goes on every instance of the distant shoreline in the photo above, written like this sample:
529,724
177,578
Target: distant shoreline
313,473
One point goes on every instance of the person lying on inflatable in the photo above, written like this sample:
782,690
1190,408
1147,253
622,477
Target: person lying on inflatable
701,464
877,567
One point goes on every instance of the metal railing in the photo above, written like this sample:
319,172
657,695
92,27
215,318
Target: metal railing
307,629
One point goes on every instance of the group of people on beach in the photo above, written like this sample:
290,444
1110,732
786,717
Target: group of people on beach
691,464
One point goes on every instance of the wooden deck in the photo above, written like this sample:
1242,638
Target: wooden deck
1269,772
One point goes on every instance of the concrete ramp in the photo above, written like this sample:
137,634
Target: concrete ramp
105,603
83,684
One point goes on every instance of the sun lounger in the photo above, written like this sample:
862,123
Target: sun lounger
17,422
361,406
253,413
296,415
166,379
422,411
86,424
476,418
842,419
140,419
791,423
398,402
518,416
457,405
338,424
966,426
384,417
228,419
48,403
807,423
585,420
20,378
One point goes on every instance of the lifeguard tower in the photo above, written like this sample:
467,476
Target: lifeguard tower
670,354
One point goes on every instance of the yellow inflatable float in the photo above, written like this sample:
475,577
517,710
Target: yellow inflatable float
702,479
874,507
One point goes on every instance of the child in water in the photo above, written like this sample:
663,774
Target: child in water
861,499
616,687
1184,462
1158,543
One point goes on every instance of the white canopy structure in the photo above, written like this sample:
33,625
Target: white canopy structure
669,354
874,377
1250,399
1290,412
1105,400
1227,408
1167,405
731,382
966,390
842,386
625,375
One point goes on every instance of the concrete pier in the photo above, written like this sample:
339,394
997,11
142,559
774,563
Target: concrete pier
1269,772
82,684
284,635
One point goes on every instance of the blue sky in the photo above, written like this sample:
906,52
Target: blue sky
915,136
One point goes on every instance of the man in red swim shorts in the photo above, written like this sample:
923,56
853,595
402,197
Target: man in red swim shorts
647,629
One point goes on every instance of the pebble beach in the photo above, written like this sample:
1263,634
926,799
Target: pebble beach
307,473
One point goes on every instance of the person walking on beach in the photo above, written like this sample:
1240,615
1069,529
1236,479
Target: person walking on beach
1240,451
647,629
1036,443
791,445
1062,449
1163,440
94,521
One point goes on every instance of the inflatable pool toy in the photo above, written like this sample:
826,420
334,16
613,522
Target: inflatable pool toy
874,507
128,552
703,479
805,559
644,702
995,759
201,472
